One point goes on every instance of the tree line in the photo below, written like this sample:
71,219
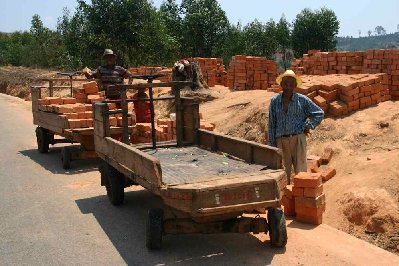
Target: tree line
142,34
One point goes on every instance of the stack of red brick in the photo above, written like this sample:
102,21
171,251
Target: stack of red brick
251,73
212,69
306,198
144,70
89,93
370,61
165,130
78,115
340,94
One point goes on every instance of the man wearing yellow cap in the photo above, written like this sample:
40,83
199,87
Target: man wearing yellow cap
291,117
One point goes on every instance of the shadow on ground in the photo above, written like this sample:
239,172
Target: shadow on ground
125,227
52,162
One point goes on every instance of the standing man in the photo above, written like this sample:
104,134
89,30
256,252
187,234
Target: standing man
109,74
291,117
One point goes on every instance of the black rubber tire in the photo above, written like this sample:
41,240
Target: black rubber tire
115,185
43,140
154,229
277,227
66,158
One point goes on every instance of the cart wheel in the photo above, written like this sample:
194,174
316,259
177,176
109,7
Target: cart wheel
154,229
277,227
43,140
66,158
115,185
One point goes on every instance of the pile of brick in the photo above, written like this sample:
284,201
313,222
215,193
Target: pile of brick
77,110
212,69
251,73
340,94
305,199
165,130
89,93
360,62
144,70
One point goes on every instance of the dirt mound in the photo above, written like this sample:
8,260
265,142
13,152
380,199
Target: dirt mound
374,209
16,81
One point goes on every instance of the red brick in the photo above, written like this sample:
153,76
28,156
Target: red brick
328,173
312,166
113,122
297,191
68,100
320,101
288,192
289,206
74,123
307,219
310,202
43,102
315,158
327,155
54,100
91,87
313,192
307,180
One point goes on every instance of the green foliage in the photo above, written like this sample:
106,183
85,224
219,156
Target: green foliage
364,43
315,30
140,34
205,28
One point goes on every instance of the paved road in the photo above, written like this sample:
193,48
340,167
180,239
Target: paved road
49,217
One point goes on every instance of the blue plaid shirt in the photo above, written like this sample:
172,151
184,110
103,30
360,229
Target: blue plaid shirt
302,114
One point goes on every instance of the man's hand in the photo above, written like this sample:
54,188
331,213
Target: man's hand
87,72
307,132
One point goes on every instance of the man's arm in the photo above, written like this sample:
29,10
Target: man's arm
272,126
313,113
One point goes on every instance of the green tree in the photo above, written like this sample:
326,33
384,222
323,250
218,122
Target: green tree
260,38
169,13
205,27
379,30
283,38
315,30
234,43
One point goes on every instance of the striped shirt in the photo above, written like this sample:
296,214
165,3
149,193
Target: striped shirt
110,76
302,114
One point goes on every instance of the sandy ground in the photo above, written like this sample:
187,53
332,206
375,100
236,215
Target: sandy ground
50,216
363,198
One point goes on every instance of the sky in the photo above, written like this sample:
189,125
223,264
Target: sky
15,15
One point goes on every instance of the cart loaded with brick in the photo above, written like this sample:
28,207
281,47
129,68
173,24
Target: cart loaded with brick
69,119
207,181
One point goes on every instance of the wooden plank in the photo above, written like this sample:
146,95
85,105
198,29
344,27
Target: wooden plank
35,96
52,119
141,163
249,151
153,85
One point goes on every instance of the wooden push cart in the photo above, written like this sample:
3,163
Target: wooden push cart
50,125
206,180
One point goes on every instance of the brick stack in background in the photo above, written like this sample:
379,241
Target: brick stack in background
212,69
78,115
339,94
165,130
144,70
251,73
360,62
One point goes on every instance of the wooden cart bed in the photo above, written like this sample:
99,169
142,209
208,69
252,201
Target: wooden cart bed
193,164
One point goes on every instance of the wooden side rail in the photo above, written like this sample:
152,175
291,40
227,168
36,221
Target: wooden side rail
249,151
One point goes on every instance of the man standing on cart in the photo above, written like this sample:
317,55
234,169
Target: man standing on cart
109,74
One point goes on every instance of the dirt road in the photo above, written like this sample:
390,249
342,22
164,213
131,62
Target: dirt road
49,216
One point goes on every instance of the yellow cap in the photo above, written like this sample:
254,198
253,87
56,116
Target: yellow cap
289,73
